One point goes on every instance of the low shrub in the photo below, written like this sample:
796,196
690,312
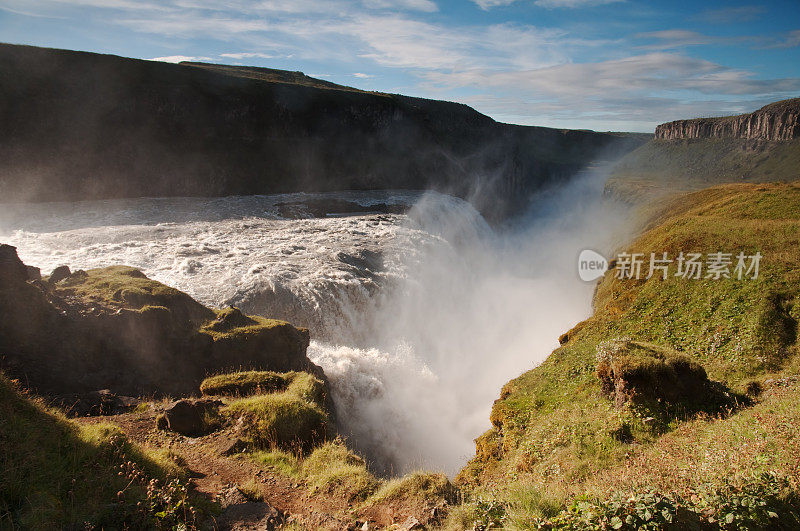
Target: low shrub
763,502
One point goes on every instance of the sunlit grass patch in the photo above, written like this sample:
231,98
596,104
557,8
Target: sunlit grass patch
332,468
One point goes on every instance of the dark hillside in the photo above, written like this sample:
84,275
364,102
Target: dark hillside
81,125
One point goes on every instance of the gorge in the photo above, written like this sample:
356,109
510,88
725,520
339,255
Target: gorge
369,305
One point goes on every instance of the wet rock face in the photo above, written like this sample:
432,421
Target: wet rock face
777,121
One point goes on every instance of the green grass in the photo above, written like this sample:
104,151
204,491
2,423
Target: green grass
252,491
127,287
557,436
57,473
294,418
286,463
241,330
280,420
426,486
333,469
244,383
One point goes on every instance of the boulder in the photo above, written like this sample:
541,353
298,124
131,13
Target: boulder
190,417
250,515
60,273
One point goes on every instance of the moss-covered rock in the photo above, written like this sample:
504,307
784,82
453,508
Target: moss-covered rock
302,384
291,414
244,383
632,370
113,328
424,486
280,420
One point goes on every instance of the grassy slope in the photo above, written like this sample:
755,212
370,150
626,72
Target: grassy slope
59,473
555,431
284,420
672,165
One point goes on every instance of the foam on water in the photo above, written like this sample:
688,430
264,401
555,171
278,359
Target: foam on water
417,319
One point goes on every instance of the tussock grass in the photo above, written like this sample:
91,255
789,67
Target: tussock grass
632,370
222,328
244,383
333,469
420,485
280,420
293,418
252,491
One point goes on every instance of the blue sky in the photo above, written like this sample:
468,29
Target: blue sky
594,64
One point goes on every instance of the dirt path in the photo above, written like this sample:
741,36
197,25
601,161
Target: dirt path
216,475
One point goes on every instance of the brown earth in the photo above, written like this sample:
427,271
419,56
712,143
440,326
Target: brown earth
216,472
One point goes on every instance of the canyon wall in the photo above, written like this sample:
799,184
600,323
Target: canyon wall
776,121
79,125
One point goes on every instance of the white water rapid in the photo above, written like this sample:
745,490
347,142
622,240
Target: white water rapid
418,319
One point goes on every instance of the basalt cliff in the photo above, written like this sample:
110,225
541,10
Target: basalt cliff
763,146
82,125
776,121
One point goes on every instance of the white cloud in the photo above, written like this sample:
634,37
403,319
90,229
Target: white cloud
638,74
182,25
643,89
573,3
427,6
247,55
730,15
488,4
179,58
675,35
402,42
510,70
549,4
790,40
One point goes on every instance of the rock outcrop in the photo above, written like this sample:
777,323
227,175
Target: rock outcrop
80,126
776,121
113,328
